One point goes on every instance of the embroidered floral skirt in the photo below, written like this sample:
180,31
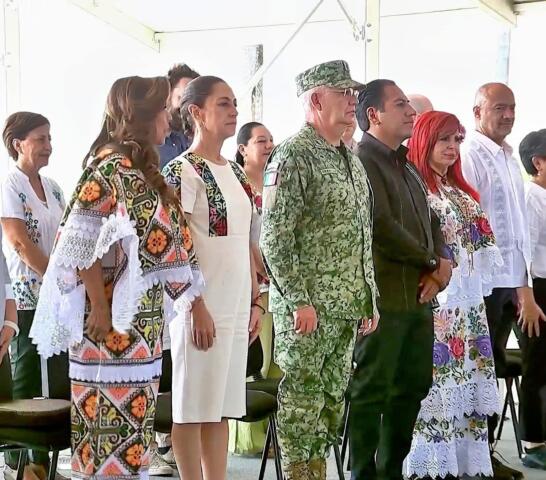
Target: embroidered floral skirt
114,392
450,434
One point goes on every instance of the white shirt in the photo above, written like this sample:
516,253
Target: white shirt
496,175
536,213
18,200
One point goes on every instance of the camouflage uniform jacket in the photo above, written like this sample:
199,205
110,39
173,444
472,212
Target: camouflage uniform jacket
317,229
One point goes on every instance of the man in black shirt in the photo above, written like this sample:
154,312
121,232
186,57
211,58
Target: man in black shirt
394,364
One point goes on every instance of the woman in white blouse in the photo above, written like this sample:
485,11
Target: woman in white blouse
30,212
533,399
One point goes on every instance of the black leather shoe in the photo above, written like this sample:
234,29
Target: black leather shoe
504,472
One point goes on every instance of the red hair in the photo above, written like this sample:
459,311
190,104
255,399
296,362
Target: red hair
427,129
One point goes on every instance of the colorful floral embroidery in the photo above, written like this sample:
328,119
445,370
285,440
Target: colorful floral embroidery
138,406
218,225
30,222
463,222
452,423
26,292
90,406
58,197
157,241
90,192
117,342
133,456
186,236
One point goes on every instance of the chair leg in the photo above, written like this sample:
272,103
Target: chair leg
22,462
345,437
518,388
277,450
53,465
339,462
265,452
504,408
515,422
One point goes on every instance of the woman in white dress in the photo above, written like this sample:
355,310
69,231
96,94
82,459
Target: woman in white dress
209,358
450,434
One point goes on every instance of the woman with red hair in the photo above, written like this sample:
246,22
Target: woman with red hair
450,435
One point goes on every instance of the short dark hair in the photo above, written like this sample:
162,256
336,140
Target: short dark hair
532,145
196,93
17,127
179,71
244,135
371,96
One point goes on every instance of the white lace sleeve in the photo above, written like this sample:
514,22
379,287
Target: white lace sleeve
485,262
58,322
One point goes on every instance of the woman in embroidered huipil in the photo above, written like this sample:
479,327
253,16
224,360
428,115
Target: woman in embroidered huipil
209,359
119,268
31,209
450,435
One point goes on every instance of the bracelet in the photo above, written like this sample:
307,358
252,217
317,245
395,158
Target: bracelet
13,325
259,306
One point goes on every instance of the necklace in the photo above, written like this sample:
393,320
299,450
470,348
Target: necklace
443,178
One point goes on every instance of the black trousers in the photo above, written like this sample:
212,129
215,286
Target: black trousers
166,379
501,311
393,375
5,372
532,406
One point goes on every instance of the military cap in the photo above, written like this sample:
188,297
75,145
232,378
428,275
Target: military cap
333,74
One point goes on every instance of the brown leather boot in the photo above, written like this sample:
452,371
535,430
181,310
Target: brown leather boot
317,468
297,471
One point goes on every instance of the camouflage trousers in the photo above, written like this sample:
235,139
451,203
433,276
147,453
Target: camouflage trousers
311,394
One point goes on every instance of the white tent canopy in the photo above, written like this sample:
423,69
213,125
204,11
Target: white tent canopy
59,57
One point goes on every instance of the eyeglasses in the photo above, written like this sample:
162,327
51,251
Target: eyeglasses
347,92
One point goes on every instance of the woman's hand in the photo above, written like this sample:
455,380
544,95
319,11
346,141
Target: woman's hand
203,331
255,323
99,322
6,334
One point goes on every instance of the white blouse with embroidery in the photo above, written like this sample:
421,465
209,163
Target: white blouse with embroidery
494,172
18,200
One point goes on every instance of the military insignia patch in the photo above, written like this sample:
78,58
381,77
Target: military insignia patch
272,174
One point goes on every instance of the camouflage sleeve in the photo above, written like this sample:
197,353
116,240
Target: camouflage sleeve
369,270
283,203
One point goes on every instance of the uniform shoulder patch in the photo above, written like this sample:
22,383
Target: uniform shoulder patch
272,173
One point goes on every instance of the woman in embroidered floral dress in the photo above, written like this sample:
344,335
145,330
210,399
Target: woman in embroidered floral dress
119,267
209,360
450,435
31,208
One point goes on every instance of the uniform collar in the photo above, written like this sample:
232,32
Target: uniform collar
319,141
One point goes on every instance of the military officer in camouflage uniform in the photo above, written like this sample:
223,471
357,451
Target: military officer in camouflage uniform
316,240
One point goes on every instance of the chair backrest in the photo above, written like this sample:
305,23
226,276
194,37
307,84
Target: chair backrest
255,360
6,388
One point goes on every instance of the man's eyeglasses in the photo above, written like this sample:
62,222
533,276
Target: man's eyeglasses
347,92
